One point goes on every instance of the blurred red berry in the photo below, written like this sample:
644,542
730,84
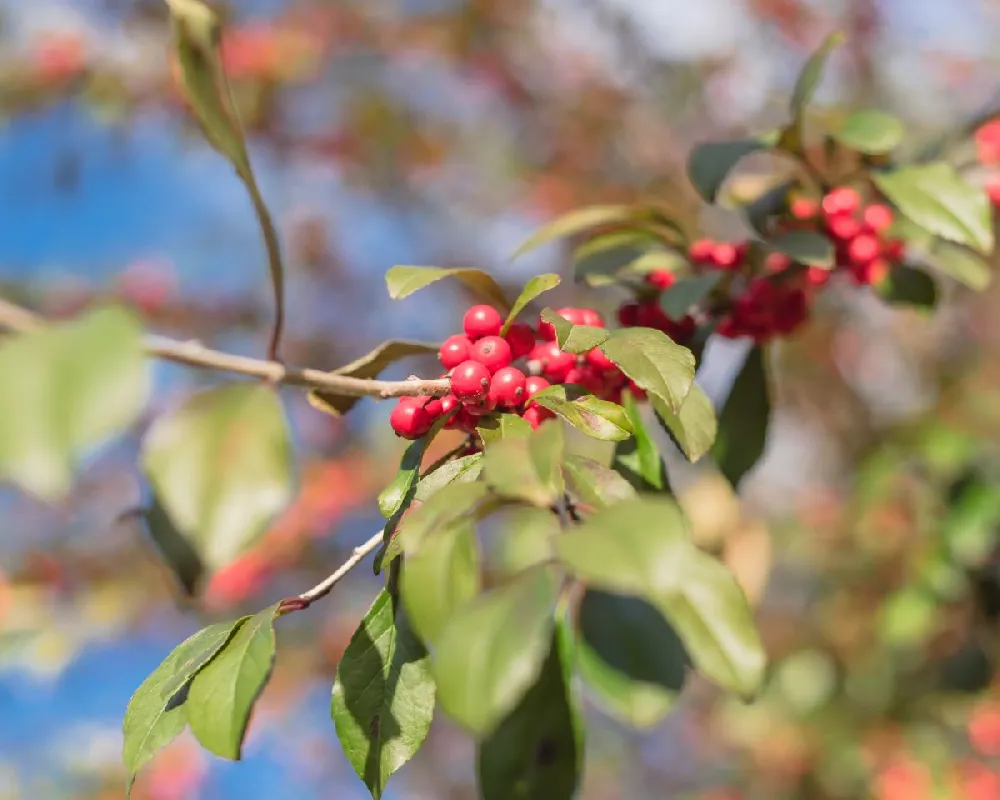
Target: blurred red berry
555,363
533,385
597,360
864,248
628,314
843,227
701,250
492,352
777,262
454,351
984,729
725,255
535,415
480,321
878,217
803,208
842,200
591,317
660,278
992,188
988,143
587,377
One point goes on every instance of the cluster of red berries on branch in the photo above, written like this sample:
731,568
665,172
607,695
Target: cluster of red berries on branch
481,364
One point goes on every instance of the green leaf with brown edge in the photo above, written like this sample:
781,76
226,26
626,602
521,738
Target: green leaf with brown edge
805,88
678,300
654,362
383,697
222,695
491,651
574,338
497,427
638,460
70,386
367,366
630,657
870,132
599,419
441,575
938,199
578,221
524,540
221,465
536,752
805,247
156,715
743,421
694,427
528,469
532,289
643,548
594,484
965,266
402,281
908,286
710,163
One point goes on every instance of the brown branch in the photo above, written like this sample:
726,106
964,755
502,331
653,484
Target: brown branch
193,354
323,588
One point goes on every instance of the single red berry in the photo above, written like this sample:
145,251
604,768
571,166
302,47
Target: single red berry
817,276
650,315
628,314
872,273
701,250
591,317
725,255
449,403
480,321
843,227
777,262
842,200
864,248
454,351
533,385
589,378
536,415
597,360
507,388
660,278
434,407
492,352
803,208
409,420
988,143
521,339
878,217
554,362
470,381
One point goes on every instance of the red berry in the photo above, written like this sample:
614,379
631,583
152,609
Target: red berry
842,200
864,248
591,317
461,421
637,391
599,361
573,315
507,388
993,190
843,227
521,339
817,276
434,407
650,315
878,217
454,351
449,403
725,256
803,208
470,381
988,143
700,251
552,361
409,420
777,262
533,385
893,249
492,352
480,321
536,415
628,314
660,278
587,377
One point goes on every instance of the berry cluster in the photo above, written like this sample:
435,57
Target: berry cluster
480,364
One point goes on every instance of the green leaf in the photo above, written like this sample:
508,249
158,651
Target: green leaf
906,285
805,247
524,540
156,713
743,422
462,470
536,752
491,652
528,469
677,301
710,163
175,549
441,575
642,547
394,496
870,132
599,419
574,338
654,362
221,465
638,460
963,265
383,697
69,388
404,281
368,366
630,657
446,506
597,261
693,429
768,204
577,221
812,73
222,694
594,484
498,427
937,198
532,289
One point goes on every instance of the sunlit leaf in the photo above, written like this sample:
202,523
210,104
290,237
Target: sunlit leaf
964,266
497,427
527,469
574,338
710,163
461,470
577,221
532,289
404,280
600,419
653,362
870,131
694,427
638,460
594,484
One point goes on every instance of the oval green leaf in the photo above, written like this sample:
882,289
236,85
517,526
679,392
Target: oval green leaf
909,286
532,289
871,132
656,364
964,266
638,460
527,469
710,163
594,484
599,419
805,247
693,428
678,300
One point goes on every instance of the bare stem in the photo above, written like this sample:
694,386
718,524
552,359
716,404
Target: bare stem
323,588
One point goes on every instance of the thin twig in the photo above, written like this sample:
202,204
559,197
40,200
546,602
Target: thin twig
193,354
322,589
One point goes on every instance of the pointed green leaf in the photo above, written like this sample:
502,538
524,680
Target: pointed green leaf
535,753
462,470
532,289
964,266
69,387
222,695
630,657
812,73
491,652
908,286
392,498
743,422
694,427
446,506
497,427
600,419
871,132
404,281
524,540
937,198
383,697
677,301
156,713
176,550
598,260
638,460
594,484
577,221
710,163
221,465
654,362
805,247
528,469
574,338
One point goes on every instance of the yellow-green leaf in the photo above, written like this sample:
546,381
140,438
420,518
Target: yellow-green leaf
532,289
402,281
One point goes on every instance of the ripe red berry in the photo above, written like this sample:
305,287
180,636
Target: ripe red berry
553,362
993,190
462,421
449,403
434,407
817,276
650,315
628,314
660,278
470,381
700,251
803,208
521,339
587,377
480,321
591,317
777,262
725,255
507,388
454,351
878,217
533,385
536,415
597,360
409,419
637,391
843,227
842,200
492,352
864,248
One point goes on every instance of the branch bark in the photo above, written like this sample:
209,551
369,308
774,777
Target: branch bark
323,588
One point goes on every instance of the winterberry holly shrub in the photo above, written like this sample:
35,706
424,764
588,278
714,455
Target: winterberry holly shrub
607,595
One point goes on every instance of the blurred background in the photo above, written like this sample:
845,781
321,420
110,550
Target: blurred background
444,132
